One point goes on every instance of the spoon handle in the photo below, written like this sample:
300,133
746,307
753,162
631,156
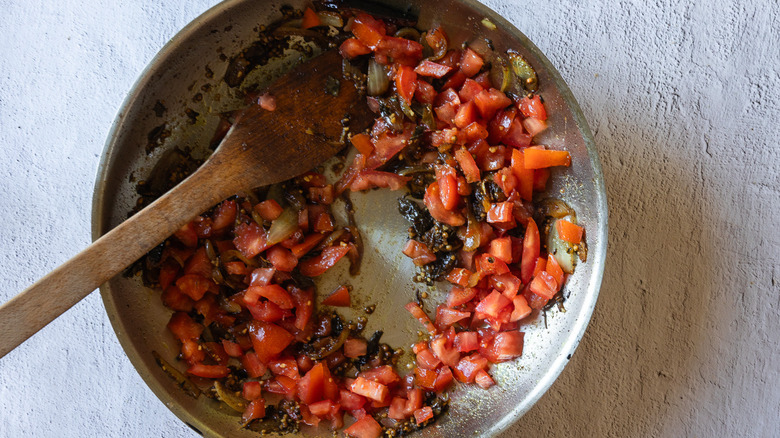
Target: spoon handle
52,295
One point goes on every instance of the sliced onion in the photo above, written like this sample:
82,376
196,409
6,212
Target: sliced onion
408,33
472,238
330,18
377,79
556,208
284,226
437,41
407,110
500,75
526,75
237,403
182,380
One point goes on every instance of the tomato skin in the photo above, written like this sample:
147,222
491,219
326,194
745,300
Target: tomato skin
273,292
500,212
448,186
402,51
406,82
355,347
208,371
368,179
446,317
309,242
432,69
317,265
310,19
368,30
420,315
531,248
534,126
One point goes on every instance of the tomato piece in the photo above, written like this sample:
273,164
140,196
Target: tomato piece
310,19
282,258
470,62
252,390
273,292
368,29
418,252
541,263
268,339
317,265
488,265
352,48
369,389
252,364
362,143
534,126
456,80
483,379
469,90
532,107
516,136
208,371
427,360
459,276
544,285
281,385
493,304
425,93
350,401
232,349
555,270
521,308
174,299
304,307
402,51
225,215
284,367
499,125
507,284
437,209
425,378
443,380
199,264
500,212
187,235
358,164
339,298
406,82
384,374
192,352
420,315
508,345
458,296
467,367
446,317
491,101
366,427
250,239
537,158
254,410
446,112
368,179
437,40
423,414
467,165
501,248
531,248
397,410
466,115
432,69
309,242
446,353
525,177
193,285
386,146
355,347
311,387
466,341
568,231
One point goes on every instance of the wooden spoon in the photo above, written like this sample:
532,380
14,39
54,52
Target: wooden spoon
263,147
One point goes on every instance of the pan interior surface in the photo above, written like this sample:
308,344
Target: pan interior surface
176,104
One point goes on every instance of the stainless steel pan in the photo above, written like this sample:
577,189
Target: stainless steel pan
186,76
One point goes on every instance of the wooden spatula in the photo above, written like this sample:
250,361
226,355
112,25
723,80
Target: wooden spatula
263,147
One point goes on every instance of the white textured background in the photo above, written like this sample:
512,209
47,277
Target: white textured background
684,102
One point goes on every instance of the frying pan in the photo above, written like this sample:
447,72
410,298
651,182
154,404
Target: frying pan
176,104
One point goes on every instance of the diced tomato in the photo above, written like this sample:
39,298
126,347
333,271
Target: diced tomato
437,209
531,248
355,347
499,125
310,19
350,401
469,90
400,50
386,146
446,317
534,126
304,307
456,80
446,353
555,270
446,112
268,339
427,360
467,165
425,378
174,299
501,248
203,226
423,414
397,409
281,385
467,367
448,186
533,107
458,296
317,265
493,304
521,308
192,352
252,390
183,327
459,276
418,252
366,427
507,284
250,239
536,158
199,263
384,374
309,242
273,292
490,101
466,115
541,263
368,179
425,93
470,62
516,136
362,143
311,387
466,341
420,315
508,345
352,48
500,212
187,235
282,258
489,265
369,389
368,30
483,379
339,297
252,364
406,82
432,69
568,231
254,410
232,348
208,371
193,285
544,285
266,311
525,177
443,379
